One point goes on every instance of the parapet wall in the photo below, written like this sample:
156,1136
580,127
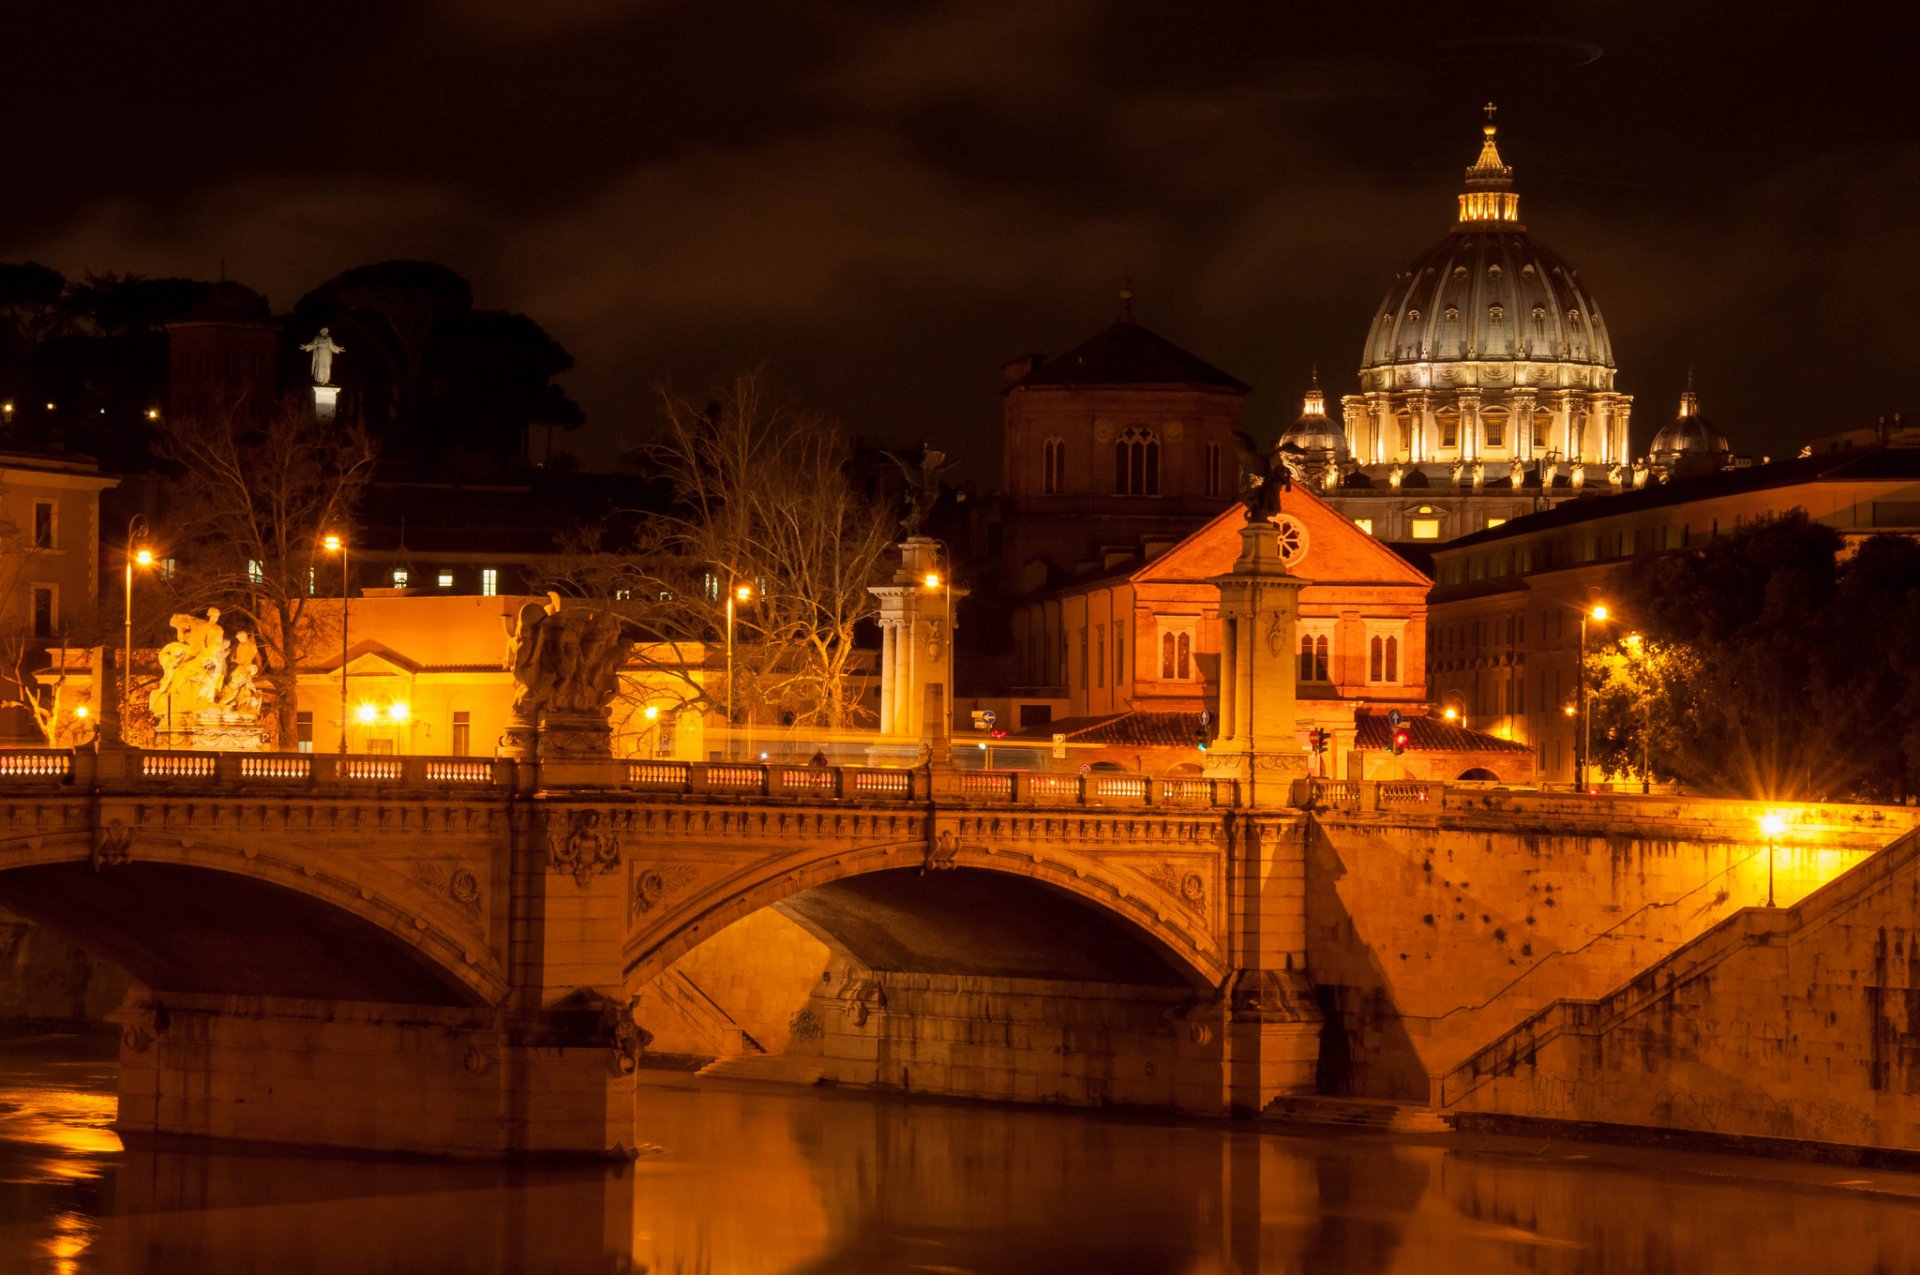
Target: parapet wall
1797,1023
1433,929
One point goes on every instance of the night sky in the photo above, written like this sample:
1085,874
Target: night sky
882,203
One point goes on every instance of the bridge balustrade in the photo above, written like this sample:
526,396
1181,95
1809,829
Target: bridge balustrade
36,763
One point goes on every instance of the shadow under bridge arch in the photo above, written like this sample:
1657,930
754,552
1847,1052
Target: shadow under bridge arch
249,929
973,918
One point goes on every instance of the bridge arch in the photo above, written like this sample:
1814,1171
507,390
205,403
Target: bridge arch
1018,915
200,916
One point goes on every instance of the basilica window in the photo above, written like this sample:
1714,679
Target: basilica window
1136,463
1542,422
1449,427
1053,466
1313,657
1495,425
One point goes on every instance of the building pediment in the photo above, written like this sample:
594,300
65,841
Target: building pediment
1332,549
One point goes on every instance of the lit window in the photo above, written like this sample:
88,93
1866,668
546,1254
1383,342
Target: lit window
1365,524
1496,522
489,582
1425,528
446,579
254,574
399,577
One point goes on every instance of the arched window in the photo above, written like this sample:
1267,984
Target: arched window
1053,462
1136,463
1176,656
1313,657
1383,659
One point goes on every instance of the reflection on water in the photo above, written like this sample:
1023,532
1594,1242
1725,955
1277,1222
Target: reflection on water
764,1180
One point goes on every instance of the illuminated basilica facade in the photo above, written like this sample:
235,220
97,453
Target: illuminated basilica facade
1486,383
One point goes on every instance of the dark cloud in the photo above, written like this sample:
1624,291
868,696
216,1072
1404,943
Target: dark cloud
881,202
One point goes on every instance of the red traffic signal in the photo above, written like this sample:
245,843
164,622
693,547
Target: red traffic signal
1400,740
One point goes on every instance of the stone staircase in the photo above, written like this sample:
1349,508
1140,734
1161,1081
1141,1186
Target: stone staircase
720,1035
777,1069
1376,1114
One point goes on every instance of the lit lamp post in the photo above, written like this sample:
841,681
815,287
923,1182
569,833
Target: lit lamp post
1453,707
1771,824
1599,616
933,581
1636,645
740,593
142,557
336,543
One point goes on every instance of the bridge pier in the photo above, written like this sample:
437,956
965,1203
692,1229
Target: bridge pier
397,1078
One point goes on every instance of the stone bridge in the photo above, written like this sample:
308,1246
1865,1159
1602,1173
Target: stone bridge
442,954
455,955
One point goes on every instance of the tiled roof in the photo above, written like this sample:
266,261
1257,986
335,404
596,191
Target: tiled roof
1125,730
1429,735
1128,354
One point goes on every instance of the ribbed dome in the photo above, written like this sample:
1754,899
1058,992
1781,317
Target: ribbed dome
1690,434
1315,431
1481,295
1487,293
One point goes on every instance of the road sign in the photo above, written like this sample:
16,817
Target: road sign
988,716
1059,745
1393,717
1206,717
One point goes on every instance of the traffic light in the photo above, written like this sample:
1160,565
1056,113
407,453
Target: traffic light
1317,740
1400,738
1200,738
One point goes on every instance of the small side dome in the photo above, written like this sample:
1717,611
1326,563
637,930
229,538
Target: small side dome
1691,443
1315,432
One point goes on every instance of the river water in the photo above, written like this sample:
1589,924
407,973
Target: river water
751,1179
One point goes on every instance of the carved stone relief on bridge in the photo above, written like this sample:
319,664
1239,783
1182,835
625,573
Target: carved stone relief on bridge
112,846
584,845
1186,885
651,885
452,880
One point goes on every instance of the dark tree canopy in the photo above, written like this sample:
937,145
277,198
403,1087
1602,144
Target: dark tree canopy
431,375
1769,664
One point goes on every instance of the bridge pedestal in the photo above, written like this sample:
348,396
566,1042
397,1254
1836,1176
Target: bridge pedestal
371,1077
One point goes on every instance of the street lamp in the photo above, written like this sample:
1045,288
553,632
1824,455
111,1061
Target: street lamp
1771,824
1598,614
1636,645
740,593
142,557
933,581
337,543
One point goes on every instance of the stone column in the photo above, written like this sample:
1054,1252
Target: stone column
915,618
1257,691
1421,404
1470,440
1520,403
887,658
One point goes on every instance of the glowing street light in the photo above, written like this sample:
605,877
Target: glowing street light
368,713
334,542
1598,614
399,711
933,581
1772,825
141,557
739,594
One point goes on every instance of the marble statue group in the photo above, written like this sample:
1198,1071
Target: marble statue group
203,670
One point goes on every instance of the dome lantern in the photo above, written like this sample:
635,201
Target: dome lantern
1489,196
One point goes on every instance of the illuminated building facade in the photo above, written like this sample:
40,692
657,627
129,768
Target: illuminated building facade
1487,382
